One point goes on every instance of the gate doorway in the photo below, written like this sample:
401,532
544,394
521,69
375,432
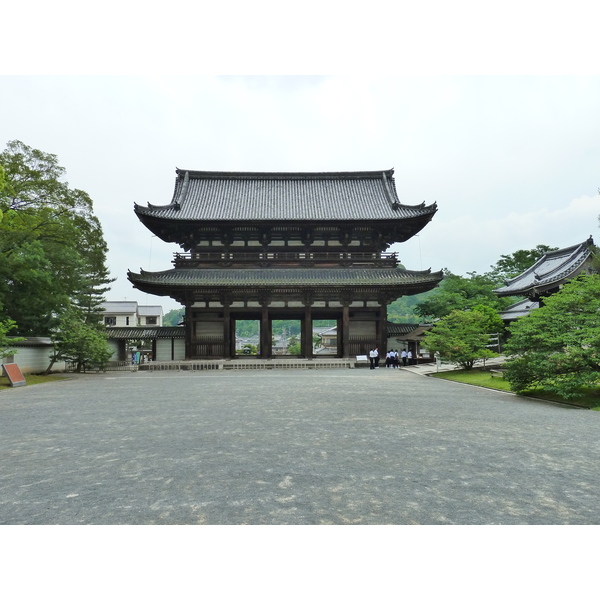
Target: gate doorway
287,337
247,337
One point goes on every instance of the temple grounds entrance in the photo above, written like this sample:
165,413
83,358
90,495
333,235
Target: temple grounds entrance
291,447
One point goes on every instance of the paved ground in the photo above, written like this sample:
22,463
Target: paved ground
292,447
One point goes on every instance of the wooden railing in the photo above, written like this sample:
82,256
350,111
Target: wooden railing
219,259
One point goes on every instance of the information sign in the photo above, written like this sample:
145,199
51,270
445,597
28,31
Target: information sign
14,374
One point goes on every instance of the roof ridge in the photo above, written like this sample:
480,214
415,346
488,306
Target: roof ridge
285,174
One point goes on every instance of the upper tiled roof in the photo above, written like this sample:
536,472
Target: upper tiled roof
549,271
340,196
239,278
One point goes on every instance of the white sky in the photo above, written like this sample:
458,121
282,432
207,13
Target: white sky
508,150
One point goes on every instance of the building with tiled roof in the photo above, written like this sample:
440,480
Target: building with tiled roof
299,246
550,272
128,313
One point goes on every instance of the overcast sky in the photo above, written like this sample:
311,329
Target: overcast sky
512,161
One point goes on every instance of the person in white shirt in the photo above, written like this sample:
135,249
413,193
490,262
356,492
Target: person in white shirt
372,355
404,357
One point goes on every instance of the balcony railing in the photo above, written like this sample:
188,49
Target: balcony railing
302,258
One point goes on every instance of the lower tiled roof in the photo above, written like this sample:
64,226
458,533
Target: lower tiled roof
283,277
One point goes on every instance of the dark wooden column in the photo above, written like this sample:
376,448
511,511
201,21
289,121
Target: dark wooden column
226,329
266,336
382,329
307,332
189,331
345,329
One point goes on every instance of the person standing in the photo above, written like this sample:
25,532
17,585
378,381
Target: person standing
410,357
376,358
372,358
404,356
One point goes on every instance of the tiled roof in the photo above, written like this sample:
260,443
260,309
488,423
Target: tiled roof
343,196
144,333
238,278
519,309
549,271
416,335
400,328
150,311
117,306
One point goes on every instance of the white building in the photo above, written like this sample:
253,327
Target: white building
130,314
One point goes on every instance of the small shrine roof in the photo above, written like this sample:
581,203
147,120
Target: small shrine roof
238,196
552,269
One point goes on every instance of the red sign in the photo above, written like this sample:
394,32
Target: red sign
14,374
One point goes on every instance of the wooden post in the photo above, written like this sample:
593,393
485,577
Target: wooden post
265,332
189,331
382,329
345,330
307,332
226,331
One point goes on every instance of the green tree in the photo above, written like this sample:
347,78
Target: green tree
6,341
52,250
557,346
81,343
173,317
460,293
294,346
461,338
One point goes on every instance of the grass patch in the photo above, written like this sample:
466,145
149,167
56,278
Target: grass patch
590,399
32,379
475,377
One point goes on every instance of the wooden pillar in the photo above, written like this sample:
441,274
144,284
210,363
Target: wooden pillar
345,341
266,337
189,331
307,332
226,331
382,329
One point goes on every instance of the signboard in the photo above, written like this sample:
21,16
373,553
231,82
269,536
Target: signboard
14,374
361,358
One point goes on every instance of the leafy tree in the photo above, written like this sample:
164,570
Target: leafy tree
173,317
79,342
491,321
294,346
461,293
52,250
403,310
461,338
557,346
5,340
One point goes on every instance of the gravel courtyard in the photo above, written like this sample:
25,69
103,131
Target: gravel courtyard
326,446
